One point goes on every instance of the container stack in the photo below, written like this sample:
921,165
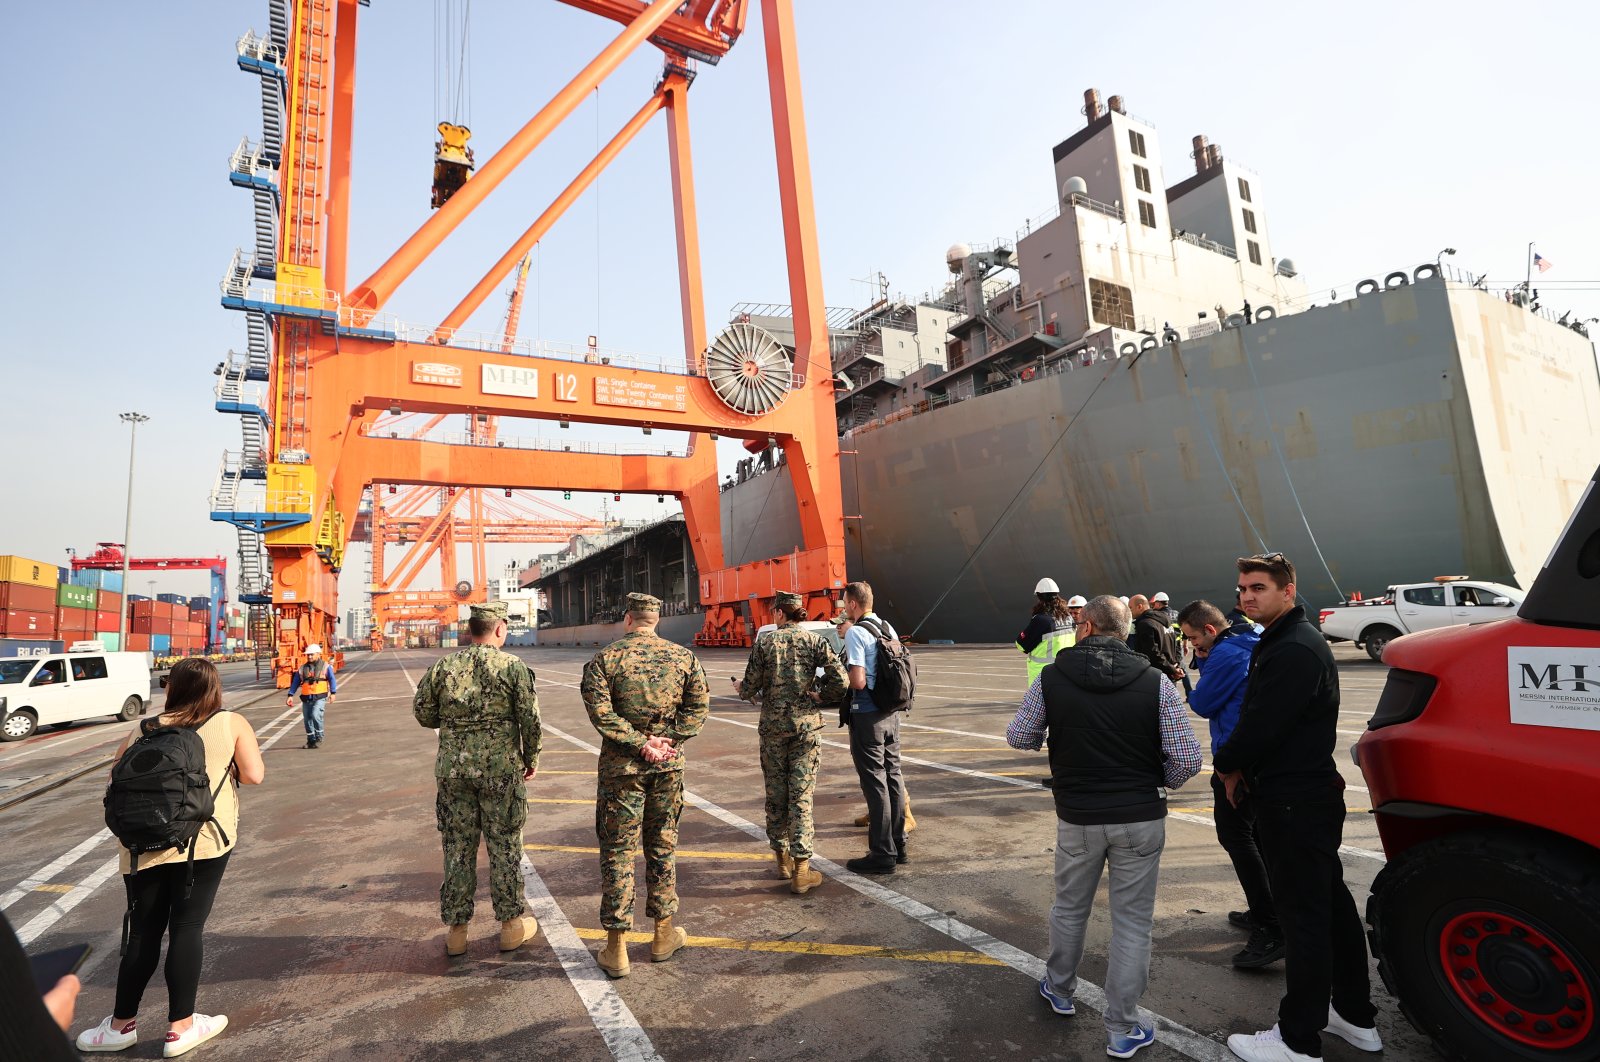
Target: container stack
107,589
75,613
28,608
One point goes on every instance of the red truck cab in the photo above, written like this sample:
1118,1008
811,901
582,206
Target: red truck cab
1483,761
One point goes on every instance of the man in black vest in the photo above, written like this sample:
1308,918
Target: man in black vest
1281,749
1119,738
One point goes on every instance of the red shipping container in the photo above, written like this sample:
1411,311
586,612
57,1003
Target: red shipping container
19,623
173,611
199,615
151,625
108,622
74,619
138,643
25,597
74,636
108,601
142,608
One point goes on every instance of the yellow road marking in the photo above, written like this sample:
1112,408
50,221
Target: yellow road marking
53,888
804,947
554,800
687,853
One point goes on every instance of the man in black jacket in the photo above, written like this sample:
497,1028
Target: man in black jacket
1282,751
1153,639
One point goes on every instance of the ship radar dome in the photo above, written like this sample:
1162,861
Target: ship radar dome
1286,266
1073,186
957,254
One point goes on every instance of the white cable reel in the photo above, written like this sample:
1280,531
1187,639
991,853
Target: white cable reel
749,369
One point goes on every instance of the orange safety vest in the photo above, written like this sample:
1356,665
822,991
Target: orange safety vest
318,688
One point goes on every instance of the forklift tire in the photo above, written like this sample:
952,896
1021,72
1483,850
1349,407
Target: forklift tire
1490,943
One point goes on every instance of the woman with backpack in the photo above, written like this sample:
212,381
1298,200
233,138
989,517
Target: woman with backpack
170,893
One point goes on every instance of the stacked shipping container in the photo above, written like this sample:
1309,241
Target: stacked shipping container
28,607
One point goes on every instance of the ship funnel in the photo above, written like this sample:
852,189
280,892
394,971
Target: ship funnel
1213,156
1200,161
1091,104
1115,104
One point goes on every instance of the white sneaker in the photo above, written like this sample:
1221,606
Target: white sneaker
204,1028
1354,1035
1265,1047
104,1038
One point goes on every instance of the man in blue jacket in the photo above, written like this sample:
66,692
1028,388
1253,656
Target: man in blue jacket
1222,662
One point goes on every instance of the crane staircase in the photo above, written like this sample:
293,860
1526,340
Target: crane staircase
238,496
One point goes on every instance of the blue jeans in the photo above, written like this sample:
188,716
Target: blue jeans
312,708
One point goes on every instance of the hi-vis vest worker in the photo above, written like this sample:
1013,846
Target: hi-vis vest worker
1050,628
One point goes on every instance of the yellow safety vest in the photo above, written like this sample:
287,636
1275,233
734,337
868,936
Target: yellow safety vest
1045,652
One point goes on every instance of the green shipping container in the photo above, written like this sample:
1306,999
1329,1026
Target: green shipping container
112,642
70,596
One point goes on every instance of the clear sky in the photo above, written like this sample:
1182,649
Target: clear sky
1382,132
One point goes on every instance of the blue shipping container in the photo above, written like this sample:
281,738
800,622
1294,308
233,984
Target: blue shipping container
99,580
161,644
11,647
173,599
137,597
199,602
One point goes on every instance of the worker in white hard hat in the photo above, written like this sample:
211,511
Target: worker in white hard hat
1161,607
1050,628
1075,605
315,684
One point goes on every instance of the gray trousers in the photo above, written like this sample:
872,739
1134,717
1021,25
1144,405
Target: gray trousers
875,749
1133,851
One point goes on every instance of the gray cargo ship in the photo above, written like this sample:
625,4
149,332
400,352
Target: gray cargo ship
1134,391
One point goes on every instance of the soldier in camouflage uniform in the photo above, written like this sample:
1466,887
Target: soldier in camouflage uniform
482,701
646,696
794,672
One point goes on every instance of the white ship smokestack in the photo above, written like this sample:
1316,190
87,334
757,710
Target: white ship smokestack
1200,158
1091,104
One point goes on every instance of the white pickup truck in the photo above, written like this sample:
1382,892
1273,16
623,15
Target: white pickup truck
1409,607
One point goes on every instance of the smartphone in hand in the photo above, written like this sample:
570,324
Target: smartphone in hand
52,966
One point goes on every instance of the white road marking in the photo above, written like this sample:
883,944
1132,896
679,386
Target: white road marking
56,911
1201,818
1180,1038
624,1036
51,869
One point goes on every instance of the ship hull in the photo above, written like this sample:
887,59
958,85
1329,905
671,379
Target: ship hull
1426,430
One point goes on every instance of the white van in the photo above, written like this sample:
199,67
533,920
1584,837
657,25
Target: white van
37,691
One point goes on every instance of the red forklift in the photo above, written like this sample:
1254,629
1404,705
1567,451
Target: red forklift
1483,758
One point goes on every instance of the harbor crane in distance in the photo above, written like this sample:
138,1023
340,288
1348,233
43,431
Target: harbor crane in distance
108,557
339,359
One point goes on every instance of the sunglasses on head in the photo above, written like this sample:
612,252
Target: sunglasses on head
1270,558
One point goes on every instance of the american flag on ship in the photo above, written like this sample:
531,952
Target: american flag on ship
1542,263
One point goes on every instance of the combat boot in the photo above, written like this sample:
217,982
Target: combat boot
805,879
455,941
669,938
613,958
785,864
515,932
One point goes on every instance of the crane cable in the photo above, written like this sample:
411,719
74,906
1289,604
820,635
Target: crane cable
452,55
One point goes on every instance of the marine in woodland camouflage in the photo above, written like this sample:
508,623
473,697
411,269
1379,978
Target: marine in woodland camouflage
782,672
483,702
639,687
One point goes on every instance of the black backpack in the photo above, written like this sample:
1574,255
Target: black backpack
894,684
160,795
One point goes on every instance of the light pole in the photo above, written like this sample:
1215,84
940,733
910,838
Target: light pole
1439,260
133,420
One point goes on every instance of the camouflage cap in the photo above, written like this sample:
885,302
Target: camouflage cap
643,603
788,599
490,610
840,620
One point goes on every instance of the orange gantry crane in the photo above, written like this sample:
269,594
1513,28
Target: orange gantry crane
339,360
435,521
